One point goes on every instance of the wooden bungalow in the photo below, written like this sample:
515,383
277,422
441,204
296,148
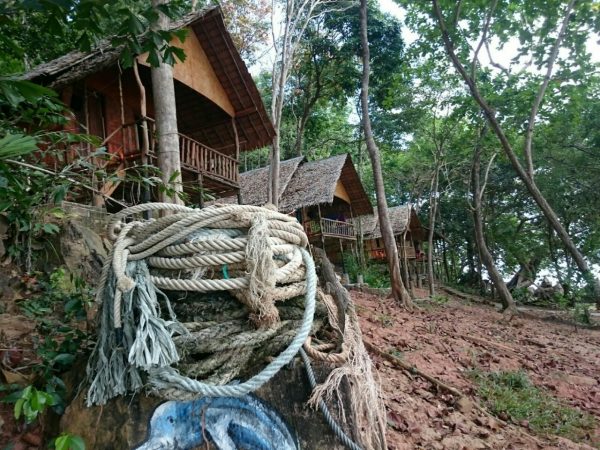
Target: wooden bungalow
324,196
409,234
219,110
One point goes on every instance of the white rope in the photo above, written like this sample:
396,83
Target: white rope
168,377
260,253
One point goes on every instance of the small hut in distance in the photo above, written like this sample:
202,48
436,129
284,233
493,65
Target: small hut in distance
324,195
409,234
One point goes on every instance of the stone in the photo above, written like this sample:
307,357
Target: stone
83,251
130,422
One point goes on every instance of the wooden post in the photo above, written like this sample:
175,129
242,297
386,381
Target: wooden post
97,200
145,138
404,260
321,227
237,139
200,184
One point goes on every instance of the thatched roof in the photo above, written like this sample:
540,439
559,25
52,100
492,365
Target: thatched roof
77,65
254,183
403,217
314,183
304,184
251,117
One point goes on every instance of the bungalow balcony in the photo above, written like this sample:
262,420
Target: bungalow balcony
330,228
201,165
409,250
219,172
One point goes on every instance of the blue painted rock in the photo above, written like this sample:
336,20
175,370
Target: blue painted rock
228,423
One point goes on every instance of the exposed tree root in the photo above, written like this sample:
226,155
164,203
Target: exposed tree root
460,396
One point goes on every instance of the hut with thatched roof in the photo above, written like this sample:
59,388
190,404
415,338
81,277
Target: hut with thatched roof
407,228
324,195
219,110
409,234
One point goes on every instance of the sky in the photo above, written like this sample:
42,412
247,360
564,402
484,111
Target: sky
506,53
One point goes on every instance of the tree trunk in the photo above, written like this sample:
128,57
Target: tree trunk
399,292
529,182
165,110
432,213
508,304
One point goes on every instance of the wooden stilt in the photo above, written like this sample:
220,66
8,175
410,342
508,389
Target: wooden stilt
200,185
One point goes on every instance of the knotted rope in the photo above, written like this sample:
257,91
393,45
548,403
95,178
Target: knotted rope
261,256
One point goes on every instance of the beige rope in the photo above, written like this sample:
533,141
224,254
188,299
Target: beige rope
263,241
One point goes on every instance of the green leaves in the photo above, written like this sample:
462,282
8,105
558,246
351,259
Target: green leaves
13,145
32,403
68,441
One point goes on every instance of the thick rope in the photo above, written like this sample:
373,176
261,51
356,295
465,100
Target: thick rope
168,377
346,440
262,260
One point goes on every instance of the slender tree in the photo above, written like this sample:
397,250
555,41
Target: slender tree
297,15
399,292
163,89
433,205
477,191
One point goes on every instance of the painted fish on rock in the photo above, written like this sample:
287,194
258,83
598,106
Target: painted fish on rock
228,423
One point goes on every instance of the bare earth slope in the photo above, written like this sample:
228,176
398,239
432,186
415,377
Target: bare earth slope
449,340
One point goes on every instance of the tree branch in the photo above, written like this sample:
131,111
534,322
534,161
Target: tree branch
486,27
542,90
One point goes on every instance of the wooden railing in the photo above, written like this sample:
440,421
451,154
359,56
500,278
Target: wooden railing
378,253
337,228
198,157
410,251
194,156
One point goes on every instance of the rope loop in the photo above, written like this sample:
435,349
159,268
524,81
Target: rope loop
187,250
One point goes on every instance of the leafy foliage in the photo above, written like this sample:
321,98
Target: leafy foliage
513,395
34,32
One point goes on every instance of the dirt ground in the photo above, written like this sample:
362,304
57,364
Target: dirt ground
447,341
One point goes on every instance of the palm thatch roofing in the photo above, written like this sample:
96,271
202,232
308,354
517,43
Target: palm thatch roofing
251,117
307,183
254,183
403,218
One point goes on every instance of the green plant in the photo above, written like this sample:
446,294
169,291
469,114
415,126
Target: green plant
386,320
32,403
65,295
440,299
68,441
57,307
512,394
581,314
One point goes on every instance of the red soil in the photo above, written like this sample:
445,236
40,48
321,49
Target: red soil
447,341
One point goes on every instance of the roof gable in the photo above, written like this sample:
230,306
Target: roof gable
252,121
402,218
303,183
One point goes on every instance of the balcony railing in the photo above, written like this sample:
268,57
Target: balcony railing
330,228
195,157
379,253
410,251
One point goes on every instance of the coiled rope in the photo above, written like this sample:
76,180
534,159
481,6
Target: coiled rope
263,260
261,256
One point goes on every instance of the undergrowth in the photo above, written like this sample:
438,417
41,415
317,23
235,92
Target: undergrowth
376,275
58,308
513,395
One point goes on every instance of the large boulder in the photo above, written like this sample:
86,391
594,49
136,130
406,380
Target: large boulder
83,251
277,413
